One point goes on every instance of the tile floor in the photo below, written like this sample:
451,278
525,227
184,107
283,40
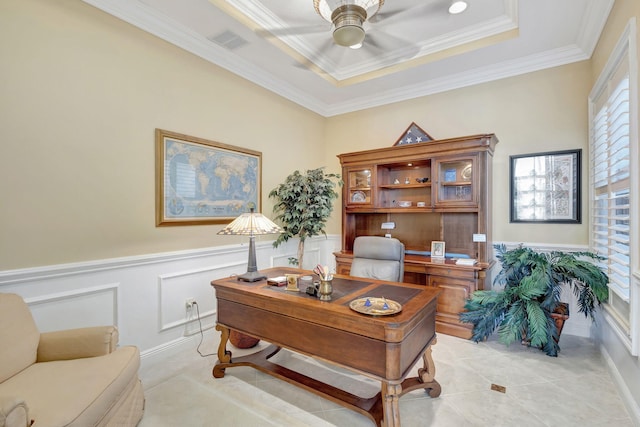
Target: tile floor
573,389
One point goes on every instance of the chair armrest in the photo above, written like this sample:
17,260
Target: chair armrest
77,343
13,412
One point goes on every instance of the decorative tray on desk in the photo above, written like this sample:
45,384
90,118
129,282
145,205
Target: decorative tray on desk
375,306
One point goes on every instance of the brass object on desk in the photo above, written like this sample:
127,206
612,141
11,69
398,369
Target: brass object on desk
375,306
325,290
292,282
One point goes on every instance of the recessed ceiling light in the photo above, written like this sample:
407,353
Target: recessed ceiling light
457,7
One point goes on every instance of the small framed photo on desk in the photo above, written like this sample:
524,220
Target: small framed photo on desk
437,249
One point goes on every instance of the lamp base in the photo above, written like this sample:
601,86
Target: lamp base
252,276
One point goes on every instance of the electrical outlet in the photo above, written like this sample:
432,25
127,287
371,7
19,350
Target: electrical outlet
189,303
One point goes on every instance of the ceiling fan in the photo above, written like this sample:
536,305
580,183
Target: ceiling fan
348,19
349,16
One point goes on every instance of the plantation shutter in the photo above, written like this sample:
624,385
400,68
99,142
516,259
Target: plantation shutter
612,199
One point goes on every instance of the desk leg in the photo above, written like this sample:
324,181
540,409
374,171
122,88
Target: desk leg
427,373
426,376
224,355
391,407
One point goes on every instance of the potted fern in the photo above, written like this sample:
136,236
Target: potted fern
303,205
524,309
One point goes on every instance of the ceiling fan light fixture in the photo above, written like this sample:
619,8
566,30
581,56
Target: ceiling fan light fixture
349,36
347,20
457,6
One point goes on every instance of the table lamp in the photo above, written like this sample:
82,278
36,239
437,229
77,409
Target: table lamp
251,224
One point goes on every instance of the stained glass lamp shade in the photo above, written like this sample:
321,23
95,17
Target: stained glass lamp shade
251,224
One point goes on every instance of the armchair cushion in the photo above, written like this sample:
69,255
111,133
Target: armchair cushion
75,393
375,269
77,343
13,412
18,334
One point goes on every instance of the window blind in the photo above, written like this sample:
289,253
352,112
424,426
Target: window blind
614,208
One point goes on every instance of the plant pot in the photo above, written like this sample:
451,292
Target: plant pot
559,315
241,340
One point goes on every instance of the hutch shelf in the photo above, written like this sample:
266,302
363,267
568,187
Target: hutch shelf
430,191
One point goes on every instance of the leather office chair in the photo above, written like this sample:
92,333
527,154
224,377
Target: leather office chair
378,258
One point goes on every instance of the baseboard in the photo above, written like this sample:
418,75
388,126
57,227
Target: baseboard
623,390
170,347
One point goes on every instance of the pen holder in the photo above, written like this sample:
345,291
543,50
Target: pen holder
325,290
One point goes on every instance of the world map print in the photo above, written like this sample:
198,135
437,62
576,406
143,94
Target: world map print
202,181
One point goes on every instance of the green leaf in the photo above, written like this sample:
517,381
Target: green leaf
303,204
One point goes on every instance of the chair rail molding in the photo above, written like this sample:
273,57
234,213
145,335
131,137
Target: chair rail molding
145,295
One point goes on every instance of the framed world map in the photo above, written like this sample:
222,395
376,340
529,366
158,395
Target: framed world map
204,182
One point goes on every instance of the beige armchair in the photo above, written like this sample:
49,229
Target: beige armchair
76,377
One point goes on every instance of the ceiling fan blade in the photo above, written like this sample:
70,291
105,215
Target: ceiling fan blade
381,41
425,8
312,62
382,16
372,40
293,31
384,41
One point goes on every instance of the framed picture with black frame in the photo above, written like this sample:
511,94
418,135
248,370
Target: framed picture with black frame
545,187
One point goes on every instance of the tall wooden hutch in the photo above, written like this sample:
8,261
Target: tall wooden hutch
430,191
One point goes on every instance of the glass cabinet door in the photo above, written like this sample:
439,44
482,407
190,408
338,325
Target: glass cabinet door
456,181
359,186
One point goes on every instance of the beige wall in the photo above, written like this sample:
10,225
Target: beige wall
81,94
536,112
622,11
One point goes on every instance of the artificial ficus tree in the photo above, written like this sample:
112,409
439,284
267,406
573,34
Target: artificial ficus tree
304,203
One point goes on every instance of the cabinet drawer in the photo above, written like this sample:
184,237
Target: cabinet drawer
455,293
447,271
343,268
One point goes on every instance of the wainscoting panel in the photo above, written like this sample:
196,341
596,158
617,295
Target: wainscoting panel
96,306
174,289
144,296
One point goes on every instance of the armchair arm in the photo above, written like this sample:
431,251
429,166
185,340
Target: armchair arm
77,343
13,412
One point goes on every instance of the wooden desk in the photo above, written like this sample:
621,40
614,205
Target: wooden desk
457,283
381,347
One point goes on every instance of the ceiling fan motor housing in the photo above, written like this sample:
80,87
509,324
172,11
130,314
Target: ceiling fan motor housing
347,20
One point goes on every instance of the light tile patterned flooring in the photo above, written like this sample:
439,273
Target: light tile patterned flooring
573,389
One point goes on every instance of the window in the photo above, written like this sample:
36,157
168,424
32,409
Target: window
614,188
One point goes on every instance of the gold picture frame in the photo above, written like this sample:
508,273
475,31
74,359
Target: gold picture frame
204,182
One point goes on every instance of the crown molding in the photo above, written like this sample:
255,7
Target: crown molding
149,20
593,22
495,71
